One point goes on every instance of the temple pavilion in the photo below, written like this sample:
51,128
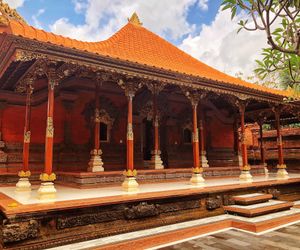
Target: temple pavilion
131,103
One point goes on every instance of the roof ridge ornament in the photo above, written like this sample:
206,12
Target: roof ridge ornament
7,13
134,19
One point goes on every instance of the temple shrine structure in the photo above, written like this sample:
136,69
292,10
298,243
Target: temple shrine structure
125,111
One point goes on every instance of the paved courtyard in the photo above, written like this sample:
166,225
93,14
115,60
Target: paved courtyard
284,238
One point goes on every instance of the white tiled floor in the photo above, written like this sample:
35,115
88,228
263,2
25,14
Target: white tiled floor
68,193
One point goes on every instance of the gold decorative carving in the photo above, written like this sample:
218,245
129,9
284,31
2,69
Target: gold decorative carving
27,135
130,173
282,166
195,136
50,128
129,132
246,168
97,116
24,174
134,19
198,170
7,13
45,177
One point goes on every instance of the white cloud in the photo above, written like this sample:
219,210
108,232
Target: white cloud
203,4
103,18
15,3
219,45
36,22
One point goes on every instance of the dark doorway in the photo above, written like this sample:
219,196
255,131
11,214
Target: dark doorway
103,132
148,139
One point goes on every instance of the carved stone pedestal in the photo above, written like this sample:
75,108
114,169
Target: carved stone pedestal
96,163
197,180
23,185
130,185
281,172
246,176
156,161
204,161
47,191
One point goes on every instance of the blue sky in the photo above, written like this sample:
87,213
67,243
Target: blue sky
53,10
198,27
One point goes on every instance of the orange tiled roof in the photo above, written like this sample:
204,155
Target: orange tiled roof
137,44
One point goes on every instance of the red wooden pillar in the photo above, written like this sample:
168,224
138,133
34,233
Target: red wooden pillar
262,147
195,138
96,163
204,162
197,178
130,145
47,190
3,155
27,132
23,183
281,167
130,184
156,161
245,174
155,121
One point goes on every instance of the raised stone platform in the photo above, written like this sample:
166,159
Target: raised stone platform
83,214
85,179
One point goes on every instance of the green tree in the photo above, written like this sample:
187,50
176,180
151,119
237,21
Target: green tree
280,20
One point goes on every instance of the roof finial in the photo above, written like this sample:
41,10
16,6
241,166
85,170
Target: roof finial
6,13
134,19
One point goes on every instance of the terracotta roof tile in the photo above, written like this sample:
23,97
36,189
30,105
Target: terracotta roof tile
137,44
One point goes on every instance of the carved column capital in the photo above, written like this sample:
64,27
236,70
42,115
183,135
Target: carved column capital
155,87
129,87
194,96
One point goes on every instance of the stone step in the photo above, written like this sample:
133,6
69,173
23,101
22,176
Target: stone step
249,199
259,209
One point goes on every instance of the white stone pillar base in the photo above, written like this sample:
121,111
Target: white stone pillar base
96,164
197,180
204,161
156,162
23,185
282,174
266,170
47,191
246,176
130,185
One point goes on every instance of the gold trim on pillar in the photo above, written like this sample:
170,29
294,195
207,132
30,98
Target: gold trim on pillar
24,174
195,136
50,128
27,135
46,177
282,166
130,173
129,131
197,170
97,115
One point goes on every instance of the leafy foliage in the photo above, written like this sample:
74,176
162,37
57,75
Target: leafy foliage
280,20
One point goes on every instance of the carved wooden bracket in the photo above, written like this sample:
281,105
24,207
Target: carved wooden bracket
194,95
155,87
130,87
